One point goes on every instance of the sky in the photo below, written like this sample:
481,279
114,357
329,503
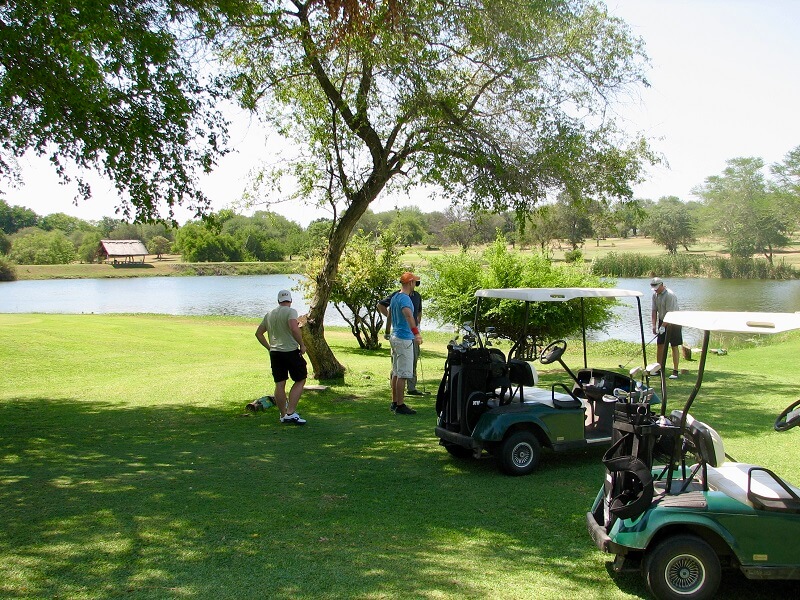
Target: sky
724,84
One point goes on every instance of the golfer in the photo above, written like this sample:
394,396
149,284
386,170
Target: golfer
664,301
286,349
405,334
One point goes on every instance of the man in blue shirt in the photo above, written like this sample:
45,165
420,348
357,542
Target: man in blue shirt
383,308
405,335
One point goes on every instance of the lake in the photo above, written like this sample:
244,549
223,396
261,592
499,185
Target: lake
253,295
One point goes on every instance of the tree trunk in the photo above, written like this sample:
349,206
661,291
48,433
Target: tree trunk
319,353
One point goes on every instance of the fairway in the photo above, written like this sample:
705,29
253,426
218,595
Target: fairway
129,468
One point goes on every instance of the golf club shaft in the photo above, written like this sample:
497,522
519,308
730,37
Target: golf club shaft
634,356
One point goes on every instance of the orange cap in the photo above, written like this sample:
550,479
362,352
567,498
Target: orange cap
408,277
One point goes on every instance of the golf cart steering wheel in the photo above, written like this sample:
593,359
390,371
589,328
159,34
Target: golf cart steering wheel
782,423
553,352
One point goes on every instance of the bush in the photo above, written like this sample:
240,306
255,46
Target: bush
631,264
38,247
451,283
8,271
573,256
749,268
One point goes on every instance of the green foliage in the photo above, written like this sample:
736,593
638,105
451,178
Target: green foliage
89,250
159,245
746,215
197,243
670,224
573,220
37,247
14,218
748,268
368,272
63,222
8,272
108,86
573,256
5,243
452,282
632,264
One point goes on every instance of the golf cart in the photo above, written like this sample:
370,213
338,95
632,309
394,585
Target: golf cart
489,402
683,522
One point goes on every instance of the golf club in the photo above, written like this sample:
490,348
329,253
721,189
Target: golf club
422,373
634,356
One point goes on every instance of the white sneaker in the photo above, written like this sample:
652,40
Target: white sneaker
293,419
673,376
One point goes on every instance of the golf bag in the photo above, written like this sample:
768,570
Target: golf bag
471,378
629,462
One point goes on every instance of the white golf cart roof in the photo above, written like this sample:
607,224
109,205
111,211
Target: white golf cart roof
555,294
735,322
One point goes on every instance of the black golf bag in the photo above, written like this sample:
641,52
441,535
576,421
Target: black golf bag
629,462
472,377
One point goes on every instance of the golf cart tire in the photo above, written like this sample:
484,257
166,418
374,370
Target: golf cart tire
457,451
682,567
520,453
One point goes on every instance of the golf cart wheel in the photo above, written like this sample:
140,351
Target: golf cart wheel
683,566
458,451
520,453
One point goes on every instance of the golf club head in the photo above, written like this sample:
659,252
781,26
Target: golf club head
653,368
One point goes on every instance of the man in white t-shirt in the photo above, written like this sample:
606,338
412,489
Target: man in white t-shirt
286,349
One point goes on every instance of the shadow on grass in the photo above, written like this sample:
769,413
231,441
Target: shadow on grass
101,500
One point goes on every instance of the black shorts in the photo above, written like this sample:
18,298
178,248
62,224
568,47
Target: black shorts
675,335
285,364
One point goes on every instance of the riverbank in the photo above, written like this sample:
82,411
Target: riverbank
168,266
415,257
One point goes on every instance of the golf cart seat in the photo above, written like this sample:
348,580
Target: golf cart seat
552,398
705,441
755,486
521,372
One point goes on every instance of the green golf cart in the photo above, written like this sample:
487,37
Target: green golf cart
682,522
489,402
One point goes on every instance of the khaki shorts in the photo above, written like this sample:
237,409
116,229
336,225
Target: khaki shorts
402,358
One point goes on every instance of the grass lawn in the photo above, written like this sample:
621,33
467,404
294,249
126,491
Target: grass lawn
128,468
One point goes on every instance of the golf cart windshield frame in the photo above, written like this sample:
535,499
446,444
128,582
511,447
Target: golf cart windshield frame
720,322
529,295
724,322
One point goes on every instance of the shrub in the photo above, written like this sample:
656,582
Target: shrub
8,271
631,264
573,256
38,247
451,283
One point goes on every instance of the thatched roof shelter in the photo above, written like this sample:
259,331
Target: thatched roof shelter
122,250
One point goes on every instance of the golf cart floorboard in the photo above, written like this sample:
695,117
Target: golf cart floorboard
695,500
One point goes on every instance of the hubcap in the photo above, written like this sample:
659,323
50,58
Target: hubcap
522,455
685,574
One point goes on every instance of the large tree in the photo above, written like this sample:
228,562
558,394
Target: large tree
747,216
498,103
109,86
670,224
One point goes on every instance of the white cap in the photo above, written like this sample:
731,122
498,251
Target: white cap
284,296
